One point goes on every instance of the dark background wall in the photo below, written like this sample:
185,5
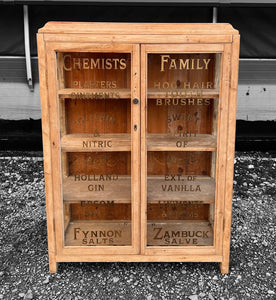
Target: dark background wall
256,24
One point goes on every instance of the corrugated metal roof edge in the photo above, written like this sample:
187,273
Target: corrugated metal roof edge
146,3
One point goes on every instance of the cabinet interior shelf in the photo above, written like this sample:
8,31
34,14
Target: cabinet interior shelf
182,93
201,190
102,233
118,190
126,93
84,142
168,142
186,233
122,142
199,233
94,93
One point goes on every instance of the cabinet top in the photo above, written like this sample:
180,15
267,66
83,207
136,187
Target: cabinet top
138,28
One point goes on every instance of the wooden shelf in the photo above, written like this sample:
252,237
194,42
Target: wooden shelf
168,142
159,233
118,190
89,143
201,190
126,93
185,93
179,233
94,93
122,142
100,233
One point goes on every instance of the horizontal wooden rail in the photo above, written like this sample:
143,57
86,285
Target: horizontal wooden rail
169,142
117,188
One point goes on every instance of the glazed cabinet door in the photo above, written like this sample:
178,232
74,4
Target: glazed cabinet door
182,119
97,131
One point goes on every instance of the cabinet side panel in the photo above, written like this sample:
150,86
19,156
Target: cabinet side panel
54,120
230,154
222,145
46,153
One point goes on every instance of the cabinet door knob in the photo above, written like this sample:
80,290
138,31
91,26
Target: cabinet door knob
135,101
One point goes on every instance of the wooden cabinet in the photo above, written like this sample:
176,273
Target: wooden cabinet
138,136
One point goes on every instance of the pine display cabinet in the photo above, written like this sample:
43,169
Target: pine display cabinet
138,137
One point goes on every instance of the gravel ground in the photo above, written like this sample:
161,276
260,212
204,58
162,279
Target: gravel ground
24,261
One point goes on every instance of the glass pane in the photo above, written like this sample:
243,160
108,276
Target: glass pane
182,94
95,120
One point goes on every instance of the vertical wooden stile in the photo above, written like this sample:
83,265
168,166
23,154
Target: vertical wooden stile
135,151
55,149
143,148
46,134
222,145
224,266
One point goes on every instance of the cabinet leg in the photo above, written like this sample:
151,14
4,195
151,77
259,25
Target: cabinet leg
224,267
53,267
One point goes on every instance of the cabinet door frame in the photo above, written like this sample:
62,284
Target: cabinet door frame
54,183
224,88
